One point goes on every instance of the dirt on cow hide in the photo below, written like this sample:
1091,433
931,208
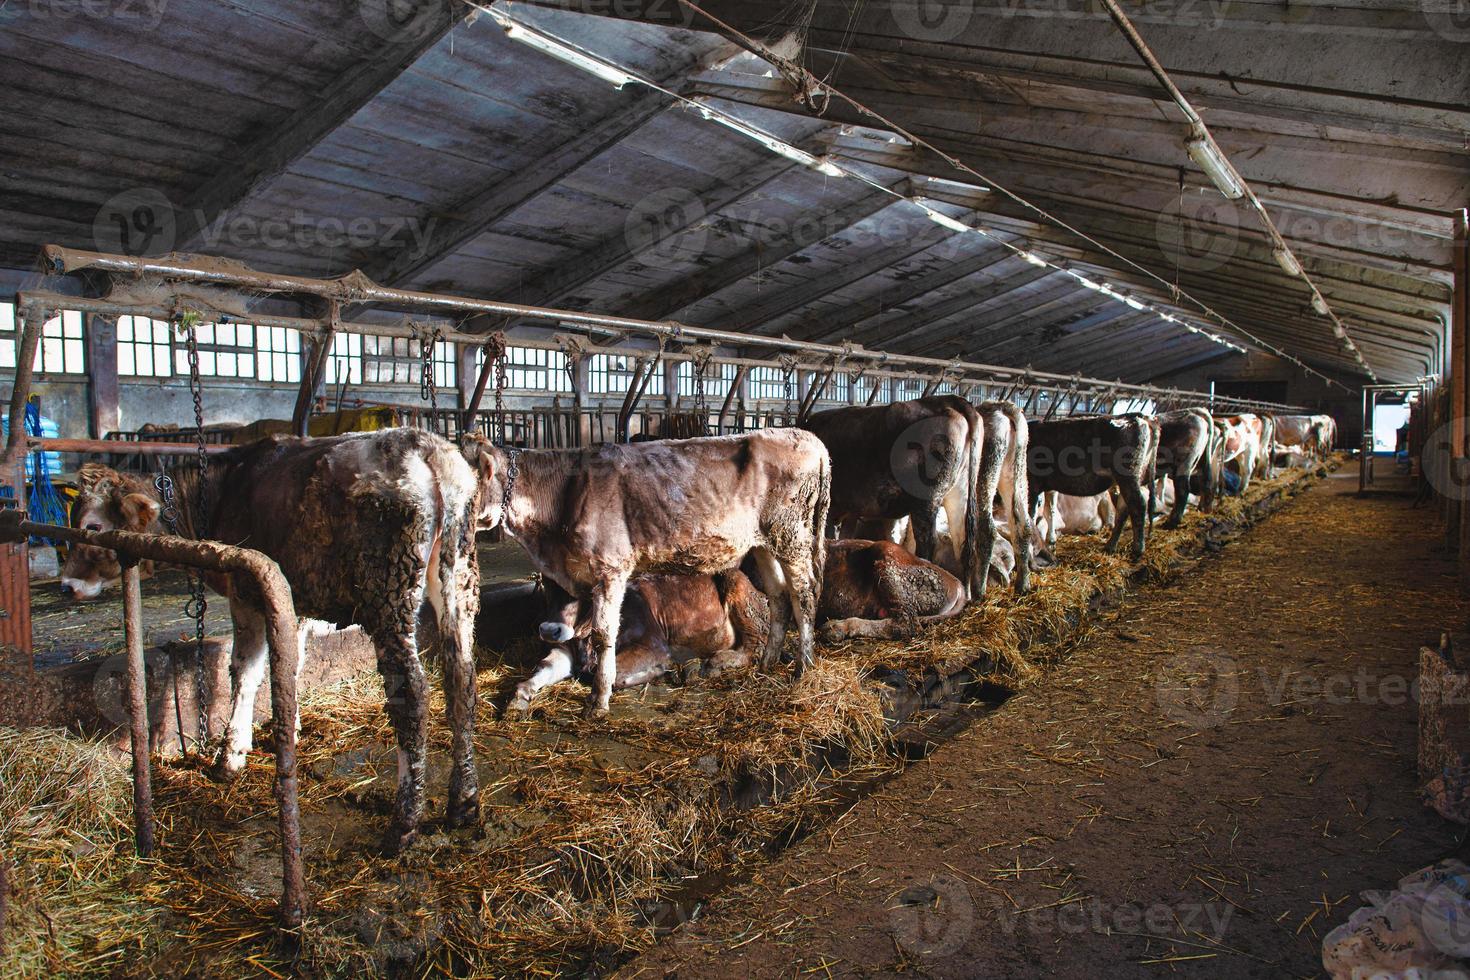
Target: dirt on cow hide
589,830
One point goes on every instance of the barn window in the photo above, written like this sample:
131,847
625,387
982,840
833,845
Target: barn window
61,350
278,354
768,383
865,386
226,350
530,369
390,360
344,364
144,347
907,389
446,365
611,374
717,379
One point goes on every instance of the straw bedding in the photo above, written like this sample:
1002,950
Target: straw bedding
589,828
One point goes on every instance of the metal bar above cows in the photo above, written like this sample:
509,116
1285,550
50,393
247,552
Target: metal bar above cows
358,288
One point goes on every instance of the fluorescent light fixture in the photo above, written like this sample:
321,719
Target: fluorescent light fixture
1341,333
944,220
826,166
1191,328
1033,258
1132,302
1090,284
1287,261
1204,152
549,45
768,141
1319,304
1169,318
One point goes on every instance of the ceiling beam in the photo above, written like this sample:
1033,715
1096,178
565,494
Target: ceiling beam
842,324
1026,315
667,301
286,141
758,317
555,284
479,211
892,329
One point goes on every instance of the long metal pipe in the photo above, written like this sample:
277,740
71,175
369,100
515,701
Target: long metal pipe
123,448
103,307
358,288
132,590
282,635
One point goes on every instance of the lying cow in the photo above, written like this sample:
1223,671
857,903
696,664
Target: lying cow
592,519
910,459
871,589
367,529
1185,441
1085,456
667,621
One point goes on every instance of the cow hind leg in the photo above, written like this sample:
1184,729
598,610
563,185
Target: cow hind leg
1135,505
248,665
407,697
453,591
801,592
778,600
1181,500
605,609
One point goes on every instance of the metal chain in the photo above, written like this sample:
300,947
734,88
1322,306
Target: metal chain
428,340
197,605
500,395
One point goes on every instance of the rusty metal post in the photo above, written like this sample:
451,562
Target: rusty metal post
282,634
132,587
15,573
735,385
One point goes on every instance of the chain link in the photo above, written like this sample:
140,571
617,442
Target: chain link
197,604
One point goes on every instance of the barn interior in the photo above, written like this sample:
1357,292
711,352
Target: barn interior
565,224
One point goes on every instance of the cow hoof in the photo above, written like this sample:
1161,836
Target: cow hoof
595,712
463,814
1169,525
396,840
227,768
518,710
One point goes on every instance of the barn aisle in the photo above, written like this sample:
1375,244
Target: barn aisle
1202,790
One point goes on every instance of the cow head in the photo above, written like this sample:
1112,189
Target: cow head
492,464
106,501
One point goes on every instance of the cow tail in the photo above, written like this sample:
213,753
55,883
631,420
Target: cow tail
819,525
968,559
1207,460
1020,483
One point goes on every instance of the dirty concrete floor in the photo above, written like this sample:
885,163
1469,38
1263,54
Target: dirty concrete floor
1201,790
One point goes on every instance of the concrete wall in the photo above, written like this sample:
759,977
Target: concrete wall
1309,391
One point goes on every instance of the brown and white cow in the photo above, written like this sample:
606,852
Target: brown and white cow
368,529
591,519
909,459
1241,445
1185,441
667,621
1310,435
1088,455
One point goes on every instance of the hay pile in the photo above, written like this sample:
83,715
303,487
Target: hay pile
67,907
591,830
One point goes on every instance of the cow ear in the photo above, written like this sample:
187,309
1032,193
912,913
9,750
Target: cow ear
138,511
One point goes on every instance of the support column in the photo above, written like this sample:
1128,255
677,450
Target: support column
1460,384
103,403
